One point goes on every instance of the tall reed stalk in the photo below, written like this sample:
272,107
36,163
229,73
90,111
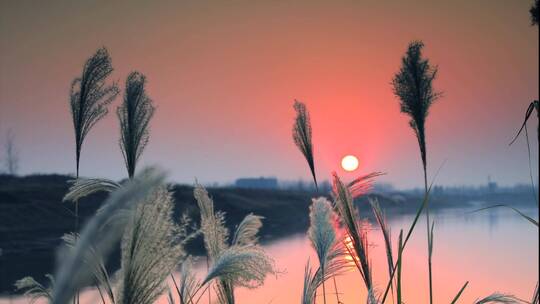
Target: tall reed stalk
413,85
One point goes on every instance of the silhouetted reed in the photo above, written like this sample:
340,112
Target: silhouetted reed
302,136
134,115
90,96
413,85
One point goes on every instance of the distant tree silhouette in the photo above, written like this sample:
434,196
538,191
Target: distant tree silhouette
413,85
534,13
134,115
90,96
12,155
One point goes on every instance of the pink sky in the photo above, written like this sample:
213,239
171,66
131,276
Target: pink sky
224,75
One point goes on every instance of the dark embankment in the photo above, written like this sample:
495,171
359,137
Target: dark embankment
33,217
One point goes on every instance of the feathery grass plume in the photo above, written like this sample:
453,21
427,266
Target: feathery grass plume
322,235
243,263
149,251
381,220
34,290
134,115
532,106
498,298
83,187
95,263
413,85
245,266
213,227
72,272
348,215
247,230
90,96
302,136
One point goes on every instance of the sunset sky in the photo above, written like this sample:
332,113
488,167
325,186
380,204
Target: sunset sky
224,75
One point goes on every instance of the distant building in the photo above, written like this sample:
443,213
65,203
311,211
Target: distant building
257,183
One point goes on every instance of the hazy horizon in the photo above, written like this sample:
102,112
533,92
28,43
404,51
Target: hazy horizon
224,76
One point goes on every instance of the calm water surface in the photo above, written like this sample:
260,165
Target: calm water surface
494,250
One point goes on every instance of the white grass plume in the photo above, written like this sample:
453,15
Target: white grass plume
243,263
94,262
321,233
82,187
212,224
71,272
245,266
247,230
34,290
149,251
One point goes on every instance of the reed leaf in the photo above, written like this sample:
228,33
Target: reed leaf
134,115
523,215
381,220
90,96
456,298
302,136
71,273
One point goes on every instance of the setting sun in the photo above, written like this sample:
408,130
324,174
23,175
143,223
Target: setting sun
349,163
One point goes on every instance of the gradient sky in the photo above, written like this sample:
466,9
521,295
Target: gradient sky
224,74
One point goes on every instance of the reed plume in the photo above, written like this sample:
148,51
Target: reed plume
90,96
241,263
134,115
94,262
149,250
72,272
357,233
34,290
322,235
302,136
413,85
